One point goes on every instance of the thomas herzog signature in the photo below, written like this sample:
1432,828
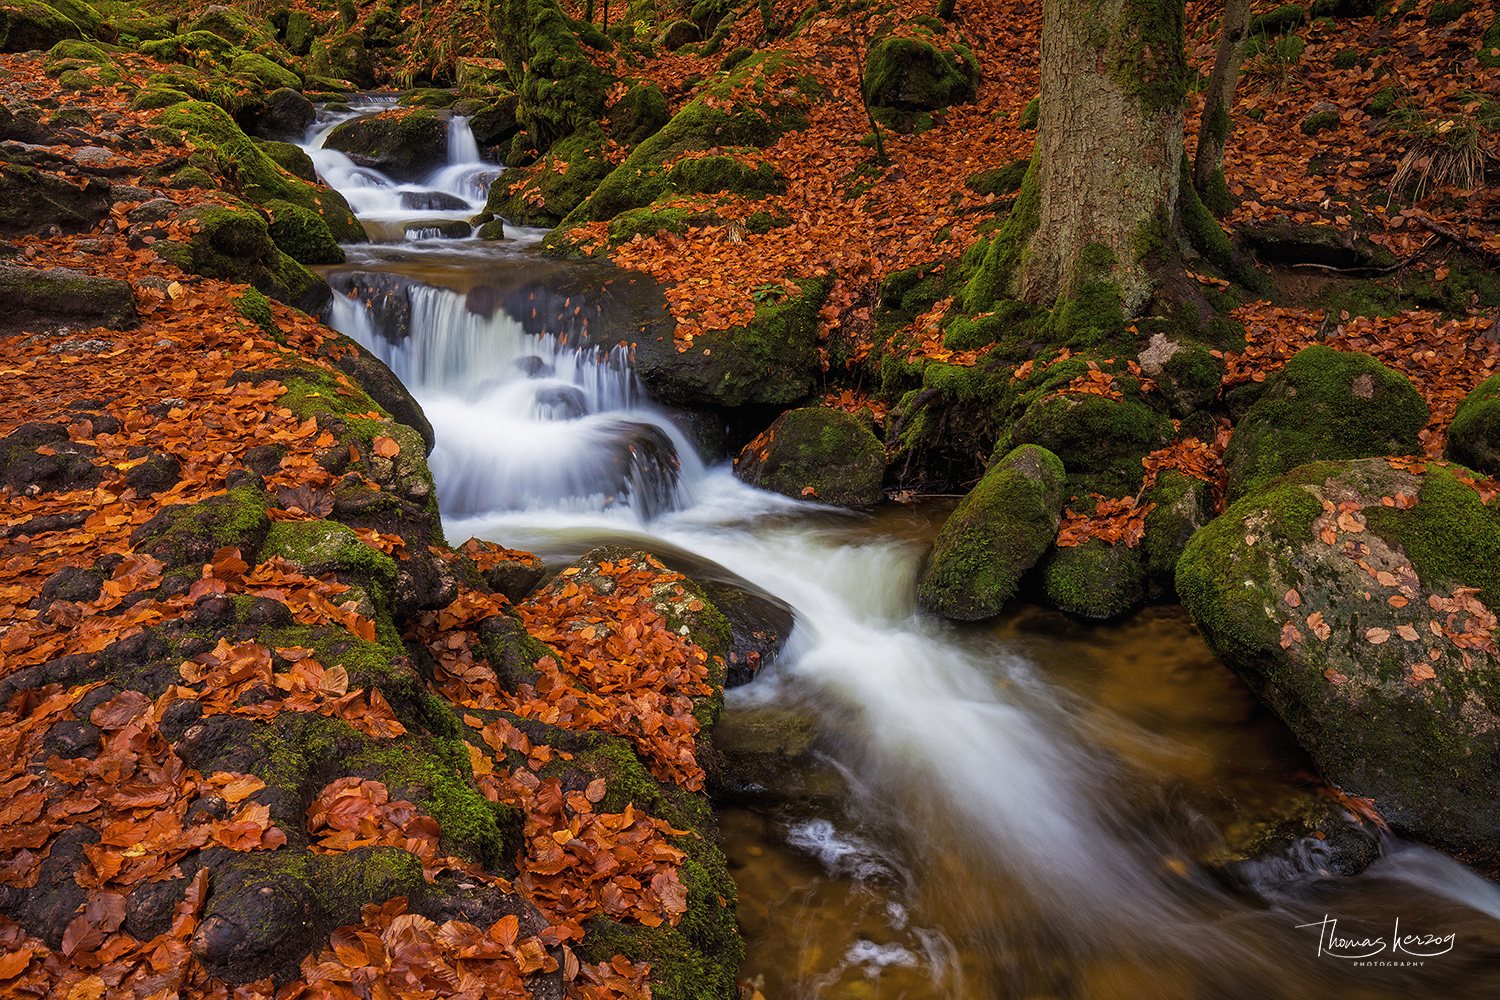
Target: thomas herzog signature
1329,943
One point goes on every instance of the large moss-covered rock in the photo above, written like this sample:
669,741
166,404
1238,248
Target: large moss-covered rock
37,298
638,115
819,453
544,194
725,172
920,70
31,24
235,26
302,235
1186,372
342,57
222,146
1182,505
1474,435
996,534
560,89
283,114
235,244
405,144
1357,601
1324,404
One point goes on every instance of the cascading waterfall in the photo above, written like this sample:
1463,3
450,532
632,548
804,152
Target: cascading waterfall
1020,854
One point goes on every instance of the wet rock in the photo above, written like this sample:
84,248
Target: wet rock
404,147
71,583
1324,404
387,298
560,402
38,299
1308,836
432,201
996,534
1095,579
38,458
375,378
1183,505
771,758
817,453
1357,601
759,625
534,367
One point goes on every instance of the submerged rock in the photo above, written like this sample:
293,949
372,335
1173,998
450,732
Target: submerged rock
772,758
1357,600
998,532
817,453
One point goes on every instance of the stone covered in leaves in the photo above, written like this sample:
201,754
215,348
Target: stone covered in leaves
1324,404
817,453
996,534
1357,600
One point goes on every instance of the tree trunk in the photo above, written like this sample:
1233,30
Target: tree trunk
1099,206
1213,132
1109,142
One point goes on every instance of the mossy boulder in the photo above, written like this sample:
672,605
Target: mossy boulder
1474,435
1186,372
291,158
42,298
342,57
557,184
31,24
134,30
406,145
234,25
1094,579
223,147
1357,601
1182,505
302,235
1100,439
920,71
996,534
283,114
32,200
189,535
235,244
638,115
1324,404
725,172
771,361
817,453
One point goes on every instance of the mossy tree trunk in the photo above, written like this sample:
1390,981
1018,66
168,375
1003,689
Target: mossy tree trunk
1103,215
1213,133
1109,144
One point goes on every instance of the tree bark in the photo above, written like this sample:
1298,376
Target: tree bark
1100,204
1213,132
1109,144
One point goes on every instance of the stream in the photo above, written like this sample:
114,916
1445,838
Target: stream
1029,803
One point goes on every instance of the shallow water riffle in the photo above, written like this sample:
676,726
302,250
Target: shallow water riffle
1038,808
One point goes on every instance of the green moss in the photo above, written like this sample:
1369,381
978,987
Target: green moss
259,178
1474,435
994,536
1384,101
1322,121
257,309
711,174
1095,579
829,451
558,185
1228,599
1451,536
1489,45
560,89
1031,114
925,71
1277,21
185,535
1001,180
1145,53
1347,59
1324,404
1447,11
301,234
157,97
319,547
995,275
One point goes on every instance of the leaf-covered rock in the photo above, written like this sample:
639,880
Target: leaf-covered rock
1357,600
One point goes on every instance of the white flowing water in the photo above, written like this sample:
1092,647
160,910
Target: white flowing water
1003,838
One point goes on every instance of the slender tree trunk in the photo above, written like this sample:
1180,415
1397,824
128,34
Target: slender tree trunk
1213,132
1109,148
